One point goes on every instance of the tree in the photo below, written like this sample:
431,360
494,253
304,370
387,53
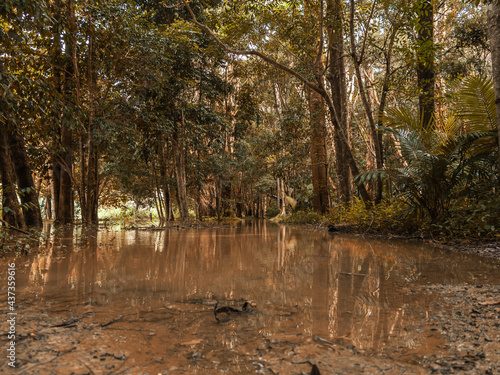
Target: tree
26,187
337,80
425,61
317,84
493,13
11,212
18,102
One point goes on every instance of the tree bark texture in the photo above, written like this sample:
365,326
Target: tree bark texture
26,186
493,14
64,207
180,170
92,193
11,212
425,62
337,80
375,140
319,163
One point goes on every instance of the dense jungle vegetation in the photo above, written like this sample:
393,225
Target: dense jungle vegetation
377,113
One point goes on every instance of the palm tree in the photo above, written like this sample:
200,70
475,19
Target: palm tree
456,158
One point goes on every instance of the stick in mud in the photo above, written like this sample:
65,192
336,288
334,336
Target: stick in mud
112,321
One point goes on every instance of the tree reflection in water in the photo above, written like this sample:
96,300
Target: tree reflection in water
345,289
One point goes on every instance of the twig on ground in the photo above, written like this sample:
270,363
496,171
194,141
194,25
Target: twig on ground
112,321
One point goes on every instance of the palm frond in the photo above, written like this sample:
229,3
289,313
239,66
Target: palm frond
476,104
402,118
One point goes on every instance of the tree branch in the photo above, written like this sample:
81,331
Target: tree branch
262,56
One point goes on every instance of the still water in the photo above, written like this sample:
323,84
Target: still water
149,296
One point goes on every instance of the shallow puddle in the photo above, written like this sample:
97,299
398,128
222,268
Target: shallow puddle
142,301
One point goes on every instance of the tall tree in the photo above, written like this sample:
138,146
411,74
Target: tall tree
11,212
317,84
319,164
357,58
493,13
426,76
337,80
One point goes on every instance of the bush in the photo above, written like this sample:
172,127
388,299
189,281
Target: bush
387,216
303,217
471,219
272,212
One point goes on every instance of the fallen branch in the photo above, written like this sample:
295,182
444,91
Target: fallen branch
8,226
68,324
134,329
112,321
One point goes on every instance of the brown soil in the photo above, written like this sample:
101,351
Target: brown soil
176,339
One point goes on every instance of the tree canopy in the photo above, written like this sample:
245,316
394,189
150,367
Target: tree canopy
246,108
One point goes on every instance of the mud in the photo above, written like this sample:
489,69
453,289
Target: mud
142,302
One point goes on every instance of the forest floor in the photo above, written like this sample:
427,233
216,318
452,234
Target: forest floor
184,338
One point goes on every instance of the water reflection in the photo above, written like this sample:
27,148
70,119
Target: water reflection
342,288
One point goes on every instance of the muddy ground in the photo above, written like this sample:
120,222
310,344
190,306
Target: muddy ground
459,334
184,338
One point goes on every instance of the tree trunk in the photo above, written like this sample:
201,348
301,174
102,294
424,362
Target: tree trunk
164,180
11,211
337,80
90,194
55,186
92,198
25,183
48,207
425,62
319,164
64,207
64,213
383,101
375,140
180,170
493,13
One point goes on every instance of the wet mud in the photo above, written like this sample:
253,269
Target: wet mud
142,302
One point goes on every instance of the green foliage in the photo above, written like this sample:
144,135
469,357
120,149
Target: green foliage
455,162
126,214
303,217
466,47
388,216
470,218
14,243
272,212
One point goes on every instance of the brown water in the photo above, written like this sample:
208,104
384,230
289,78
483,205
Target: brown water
142,301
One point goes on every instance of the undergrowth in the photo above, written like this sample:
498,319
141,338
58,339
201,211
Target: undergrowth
466,219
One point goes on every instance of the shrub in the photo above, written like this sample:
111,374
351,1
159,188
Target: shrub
304,217
386,216
272,212
471,219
